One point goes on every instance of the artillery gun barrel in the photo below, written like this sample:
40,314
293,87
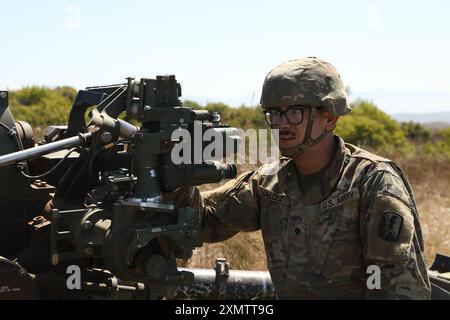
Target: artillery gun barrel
232,284
26,154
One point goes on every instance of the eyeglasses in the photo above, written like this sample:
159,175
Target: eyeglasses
293,115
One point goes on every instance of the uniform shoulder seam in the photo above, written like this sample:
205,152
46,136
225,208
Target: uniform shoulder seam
357,152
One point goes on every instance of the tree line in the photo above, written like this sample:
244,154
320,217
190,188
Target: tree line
366,126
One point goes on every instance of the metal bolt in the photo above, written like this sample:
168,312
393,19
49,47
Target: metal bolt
22,273
3,94
38,220
89,251
215,117
88,225
147,108
106,137
55,259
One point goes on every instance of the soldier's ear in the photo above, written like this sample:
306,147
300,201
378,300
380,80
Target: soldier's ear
331,121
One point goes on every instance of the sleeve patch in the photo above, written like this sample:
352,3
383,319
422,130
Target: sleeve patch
390,226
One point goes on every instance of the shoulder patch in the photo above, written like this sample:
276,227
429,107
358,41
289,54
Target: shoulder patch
390,226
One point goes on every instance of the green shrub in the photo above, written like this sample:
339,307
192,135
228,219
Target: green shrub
41,106
368,126
415,131
439,146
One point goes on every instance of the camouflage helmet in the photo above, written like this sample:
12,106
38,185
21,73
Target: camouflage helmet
308,81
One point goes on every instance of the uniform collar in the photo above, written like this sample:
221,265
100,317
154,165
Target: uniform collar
313,188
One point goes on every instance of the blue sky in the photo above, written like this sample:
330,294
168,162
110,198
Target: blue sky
393,52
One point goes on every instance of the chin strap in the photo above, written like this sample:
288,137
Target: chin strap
307,140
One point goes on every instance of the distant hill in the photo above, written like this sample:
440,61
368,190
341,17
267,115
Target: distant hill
435,120
436,125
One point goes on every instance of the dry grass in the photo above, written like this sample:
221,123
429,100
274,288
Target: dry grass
430,179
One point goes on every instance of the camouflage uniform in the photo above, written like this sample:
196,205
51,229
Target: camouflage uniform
321,232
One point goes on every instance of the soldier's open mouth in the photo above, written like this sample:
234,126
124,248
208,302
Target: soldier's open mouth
286,135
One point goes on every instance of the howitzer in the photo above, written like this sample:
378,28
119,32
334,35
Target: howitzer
101,207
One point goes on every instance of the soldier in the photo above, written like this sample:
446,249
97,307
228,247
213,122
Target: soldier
332,214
